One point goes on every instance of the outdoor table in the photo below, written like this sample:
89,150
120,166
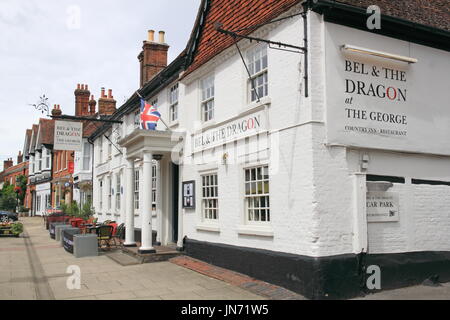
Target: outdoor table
90,227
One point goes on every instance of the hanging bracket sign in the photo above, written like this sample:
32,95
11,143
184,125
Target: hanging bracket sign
68,136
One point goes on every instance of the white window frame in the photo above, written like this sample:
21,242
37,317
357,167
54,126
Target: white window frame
39,161
137,119
154,102
253,210
100,152
207,94
173,102
256,58
100,203
109,179
118,189
47,158
209,195
86,156
109,148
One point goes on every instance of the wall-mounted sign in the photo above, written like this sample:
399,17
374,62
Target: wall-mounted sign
230,131
68,136
376,102
189,194
382,206
71,166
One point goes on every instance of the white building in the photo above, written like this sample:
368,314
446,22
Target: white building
340,161
40,166
82,175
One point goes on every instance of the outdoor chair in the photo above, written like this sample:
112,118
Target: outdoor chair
105,236
120,231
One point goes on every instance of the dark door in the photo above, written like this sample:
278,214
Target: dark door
175,188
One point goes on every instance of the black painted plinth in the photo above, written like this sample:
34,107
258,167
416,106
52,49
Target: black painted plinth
331,277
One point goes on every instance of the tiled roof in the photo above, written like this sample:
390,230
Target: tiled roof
35,129
46,132
234,15
88,128
239,14
27,142
435,13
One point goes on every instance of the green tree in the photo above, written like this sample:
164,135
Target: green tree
8,198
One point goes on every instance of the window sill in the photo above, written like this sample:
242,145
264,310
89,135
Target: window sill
253,106
208,124
208,227
252,230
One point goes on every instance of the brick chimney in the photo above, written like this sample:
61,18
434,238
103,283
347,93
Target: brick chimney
153,57
106,103
19,157
7,163
56,110
82,100
92,104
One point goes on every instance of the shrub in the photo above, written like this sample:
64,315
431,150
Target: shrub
16,228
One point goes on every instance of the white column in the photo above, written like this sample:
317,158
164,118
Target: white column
159,217
129,204
146,212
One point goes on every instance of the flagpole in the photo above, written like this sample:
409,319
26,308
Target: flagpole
160,118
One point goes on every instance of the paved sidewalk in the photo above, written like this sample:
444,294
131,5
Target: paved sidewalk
35,268
259,287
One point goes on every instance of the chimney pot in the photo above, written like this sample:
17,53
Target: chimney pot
110,93
103,93
78,86
86,87
161,36
151,35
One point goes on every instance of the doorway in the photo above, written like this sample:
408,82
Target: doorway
175,183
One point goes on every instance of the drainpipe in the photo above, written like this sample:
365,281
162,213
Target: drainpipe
305,44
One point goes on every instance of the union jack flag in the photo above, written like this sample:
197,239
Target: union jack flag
149,116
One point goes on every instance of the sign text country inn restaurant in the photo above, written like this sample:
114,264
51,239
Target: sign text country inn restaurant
302,167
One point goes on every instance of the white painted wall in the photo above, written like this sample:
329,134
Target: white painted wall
316,190
291,191
424,210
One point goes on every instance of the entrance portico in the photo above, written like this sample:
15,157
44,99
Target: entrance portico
149,146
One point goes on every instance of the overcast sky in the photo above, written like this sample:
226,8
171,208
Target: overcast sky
48,46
